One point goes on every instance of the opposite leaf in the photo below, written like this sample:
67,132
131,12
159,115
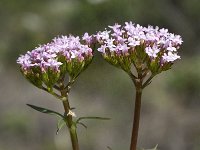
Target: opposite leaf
97,118
80,123
46,111
61,123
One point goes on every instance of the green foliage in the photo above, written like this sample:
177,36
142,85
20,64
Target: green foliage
78,121
95,118
61,123
46,111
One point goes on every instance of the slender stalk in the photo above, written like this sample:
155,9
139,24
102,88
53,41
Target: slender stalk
71,126
136,118
74,137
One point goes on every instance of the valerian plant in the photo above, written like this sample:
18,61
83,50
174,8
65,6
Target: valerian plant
147,50
48,66
142,52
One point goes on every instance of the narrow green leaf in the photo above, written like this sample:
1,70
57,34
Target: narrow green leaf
96,118
61,123
46,111
82,124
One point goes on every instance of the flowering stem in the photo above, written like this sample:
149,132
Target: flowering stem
136,118
69,121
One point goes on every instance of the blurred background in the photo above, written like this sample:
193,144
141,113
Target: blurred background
170,106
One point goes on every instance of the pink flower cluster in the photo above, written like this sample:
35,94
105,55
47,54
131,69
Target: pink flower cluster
124,40
47,56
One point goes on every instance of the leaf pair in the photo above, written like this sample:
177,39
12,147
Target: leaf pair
62,120
46,111
61,123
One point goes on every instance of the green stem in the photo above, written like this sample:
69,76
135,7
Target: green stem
74,137
136,118
71,126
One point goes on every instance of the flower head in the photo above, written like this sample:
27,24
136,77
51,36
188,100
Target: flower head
142,46
50,62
